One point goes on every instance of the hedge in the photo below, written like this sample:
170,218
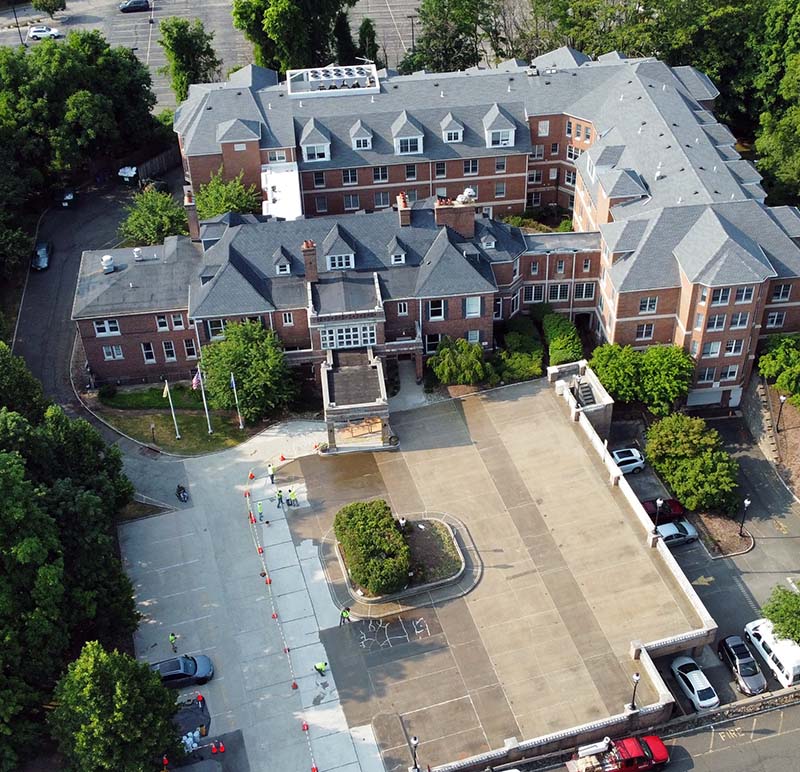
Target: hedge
377,556
563,342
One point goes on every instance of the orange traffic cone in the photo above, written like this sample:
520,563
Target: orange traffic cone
221,747
251,476
282,458
213,747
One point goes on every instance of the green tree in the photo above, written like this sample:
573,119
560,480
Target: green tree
15,249
781,352
707,481
218,197
783,610
49,6
152,216
19,390
368,41
458,362
617,367
264,381
286,25
88,124
666,375
112,713
780,43
563,341
190,56
343,45
248,16
678,437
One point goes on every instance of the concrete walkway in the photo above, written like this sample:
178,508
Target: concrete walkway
411,394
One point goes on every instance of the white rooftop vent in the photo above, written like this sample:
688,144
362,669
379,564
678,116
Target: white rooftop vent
108,263
137,254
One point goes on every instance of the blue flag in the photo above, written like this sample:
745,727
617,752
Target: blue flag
233,382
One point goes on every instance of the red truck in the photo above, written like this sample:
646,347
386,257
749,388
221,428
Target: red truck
633,754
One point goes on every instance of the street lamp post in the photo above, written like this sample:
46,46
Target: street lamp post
16,21
746,503
780,413
635,678
414,742
659,504
413,18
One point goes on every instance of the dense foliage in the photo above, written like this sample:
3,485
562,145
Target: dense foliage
521,357
690,458
783,610
254,355
60,488
190,56
49,6
152,216
113,713
562,339
217,197
457,361
377,555
780,362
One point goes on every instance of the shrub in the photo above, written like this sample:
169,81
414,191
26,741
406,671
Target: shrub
539,311
565,226
521,324
458,362
377,555
618,368
107,391
783,610
563,341
519,366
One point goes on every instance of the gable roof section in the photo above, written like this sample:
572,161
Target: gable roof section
338,242
281,256
314,133
405,126
360,130
788,218
449,123
238,130
621,183
344,291
562,59
497,119
445,271
697,83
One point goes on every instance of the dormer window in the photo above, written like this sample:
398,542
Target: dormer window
488,243
398,258
284,269
453,136
362,143
340,262
408,145
501,138
316,152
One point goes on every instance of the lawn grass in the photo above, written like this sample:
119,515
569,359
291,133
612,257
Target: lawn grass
433,555
152,399
195,438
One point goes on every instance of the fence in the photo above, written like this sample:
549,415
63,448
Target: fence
161,163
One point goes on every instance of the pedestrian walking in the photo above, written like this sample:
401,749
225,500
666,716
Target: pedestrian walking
260,508
344,617
271,473
279,497
173,641
321,667
293,498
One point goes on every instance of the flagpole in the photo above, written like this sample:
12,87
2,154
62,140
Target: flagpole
236,397
172,409
205,404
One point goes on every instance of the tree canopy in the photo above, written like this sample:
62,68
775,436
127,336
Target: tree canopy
217,197
190,56
617,367
457,361
255,356
368,41
113,713
783,610
152,216
49,6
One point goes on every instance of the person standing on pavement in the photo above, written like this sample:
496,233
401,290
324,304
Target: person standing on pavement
173,641
290,498
271,473
280,499
321,667
293,498
344,617
260,508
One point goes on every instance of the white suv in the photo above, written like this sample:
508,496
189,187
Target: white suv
43,31
628,460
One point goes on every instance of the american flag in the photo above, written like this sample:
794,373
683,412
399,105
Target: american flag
196,380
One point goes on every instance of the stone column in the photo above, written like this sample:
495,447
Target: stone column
384,432
331,437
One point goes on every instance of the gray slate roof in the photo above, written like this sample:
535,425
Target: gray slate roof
238,130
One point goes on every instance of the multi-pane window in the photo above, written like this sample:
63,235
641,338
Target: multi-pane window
473,336
216,328
452,136
441,169
693,348
319,179
570,176
399,258
402,308
537,153
716,322
515,269
734,347
436,310
340,262
112,352
544,128
321,204
162,325
500,138
535,177
276,156
648,305
569,128
500,165
644,331
472,307
739,320
411,196
584,291
554,148
149,354
283,269
588,134
553,175
380,173
776,319
411,171
432,342
729,373
381,199
533,293
558,292
499,190
710,349
514,304
106,327
190,347
536,199
720,296
534,267
177,321
351,201
169,351
441,192
288,319
471,166
744,294
559,266
587,265
577,131
573,153
706,374
362,143
349,176
351,336
780,292
408,145
316,152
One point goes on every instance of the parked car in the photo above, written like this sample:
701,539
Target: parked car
129,6
41,31
184,670
64,197
693,683
629,460
781,654
734,653
42,253
671,509
678,532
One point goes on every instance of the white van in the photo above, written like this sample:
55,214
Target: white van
781,655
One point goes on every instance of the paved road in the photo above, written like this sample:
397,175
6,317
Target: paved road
134,30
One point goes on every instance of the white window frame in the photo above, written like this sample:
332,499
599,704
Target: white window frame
381,199
734,347
168,347
398,258
560,265
648,305
314,153
472,307
538,153
587,134
716,322
743,295
737,322
412,145
219,325
347,336
710,349
284,269
238,147
643,329
440,315
515,269
177,321
536,198
570,175
380,174
497,308
543,128
533,293
552,173
190,348
558,293
569,128
362,143
349,176
500,190
781,293
112,353
453,137
351,201
706,374
500,138
413,169
534,267
720,296
500,164
317,177
402,308
162,324
573,153
104,328
149,353
340,262
473,336
535,177
729,373
583,291
514,304
320,204
470,167
287,319
429,337
775,320
587,264
276,156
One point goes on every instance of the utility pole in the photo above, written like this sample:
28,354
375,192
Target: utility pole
19,31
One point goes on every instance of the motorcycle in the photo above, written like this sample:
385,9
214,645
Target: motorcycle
182,494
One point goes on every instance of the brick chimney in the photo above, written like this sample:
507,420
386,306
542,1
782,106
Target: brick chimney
309,250
403,210
191,212
460,217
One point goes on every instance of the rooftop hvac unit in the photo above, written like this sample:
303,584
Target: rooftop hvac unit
108,263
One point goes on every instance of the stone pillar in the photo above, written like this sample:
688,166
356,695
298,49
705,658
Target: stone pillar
191,212
384,432
331,437
418,364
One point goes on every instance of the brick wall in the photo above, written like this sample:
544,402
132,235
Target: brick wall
397,326
456,325
247,159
